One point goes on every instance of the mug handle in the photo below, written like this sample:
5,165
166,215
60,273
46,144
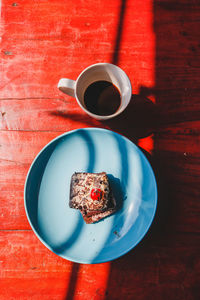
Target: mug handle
67,86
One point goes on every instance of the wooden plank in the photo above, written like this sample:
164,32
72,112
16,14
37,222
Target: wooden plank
180,138
69,20
22,146
64,113
44,115
148,267
58,19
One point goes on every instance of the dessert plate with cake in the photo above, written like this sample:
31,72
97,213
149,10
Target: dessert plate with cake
90,195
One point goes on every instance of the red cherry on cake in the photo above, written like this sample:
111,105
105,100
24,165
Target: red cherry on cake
96,194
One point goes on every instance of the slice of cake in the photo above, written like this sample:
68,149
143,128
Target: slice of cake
92,195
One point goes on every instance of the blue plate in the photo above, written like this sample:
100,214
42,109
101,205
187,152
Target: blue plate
61,228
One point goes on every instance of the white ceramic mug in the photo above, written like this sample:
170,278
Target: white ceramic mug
98,72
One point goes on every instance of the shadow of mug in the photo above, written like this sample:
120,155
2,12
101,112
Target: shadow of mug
118,191
137,121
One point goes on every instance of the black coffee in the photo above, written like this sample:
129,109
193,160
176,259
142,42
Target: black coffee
102,98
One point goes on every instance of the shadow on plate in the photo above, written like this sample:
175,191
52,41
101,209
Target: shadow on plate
118,191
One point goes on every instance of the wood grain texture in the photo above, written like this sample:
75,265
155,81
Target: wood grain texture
42,42
157,43
44,274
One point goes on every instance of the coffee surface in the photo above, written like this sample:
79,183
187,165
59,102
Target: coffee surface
102,98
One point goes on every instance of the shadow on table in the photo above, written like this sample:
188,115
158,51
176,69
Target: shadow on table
137,121
176,91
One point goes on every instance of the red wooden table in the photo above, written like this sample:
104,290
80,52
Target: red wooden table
157,43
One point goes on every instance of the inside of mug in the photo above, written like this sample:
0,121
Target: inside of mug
101,72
